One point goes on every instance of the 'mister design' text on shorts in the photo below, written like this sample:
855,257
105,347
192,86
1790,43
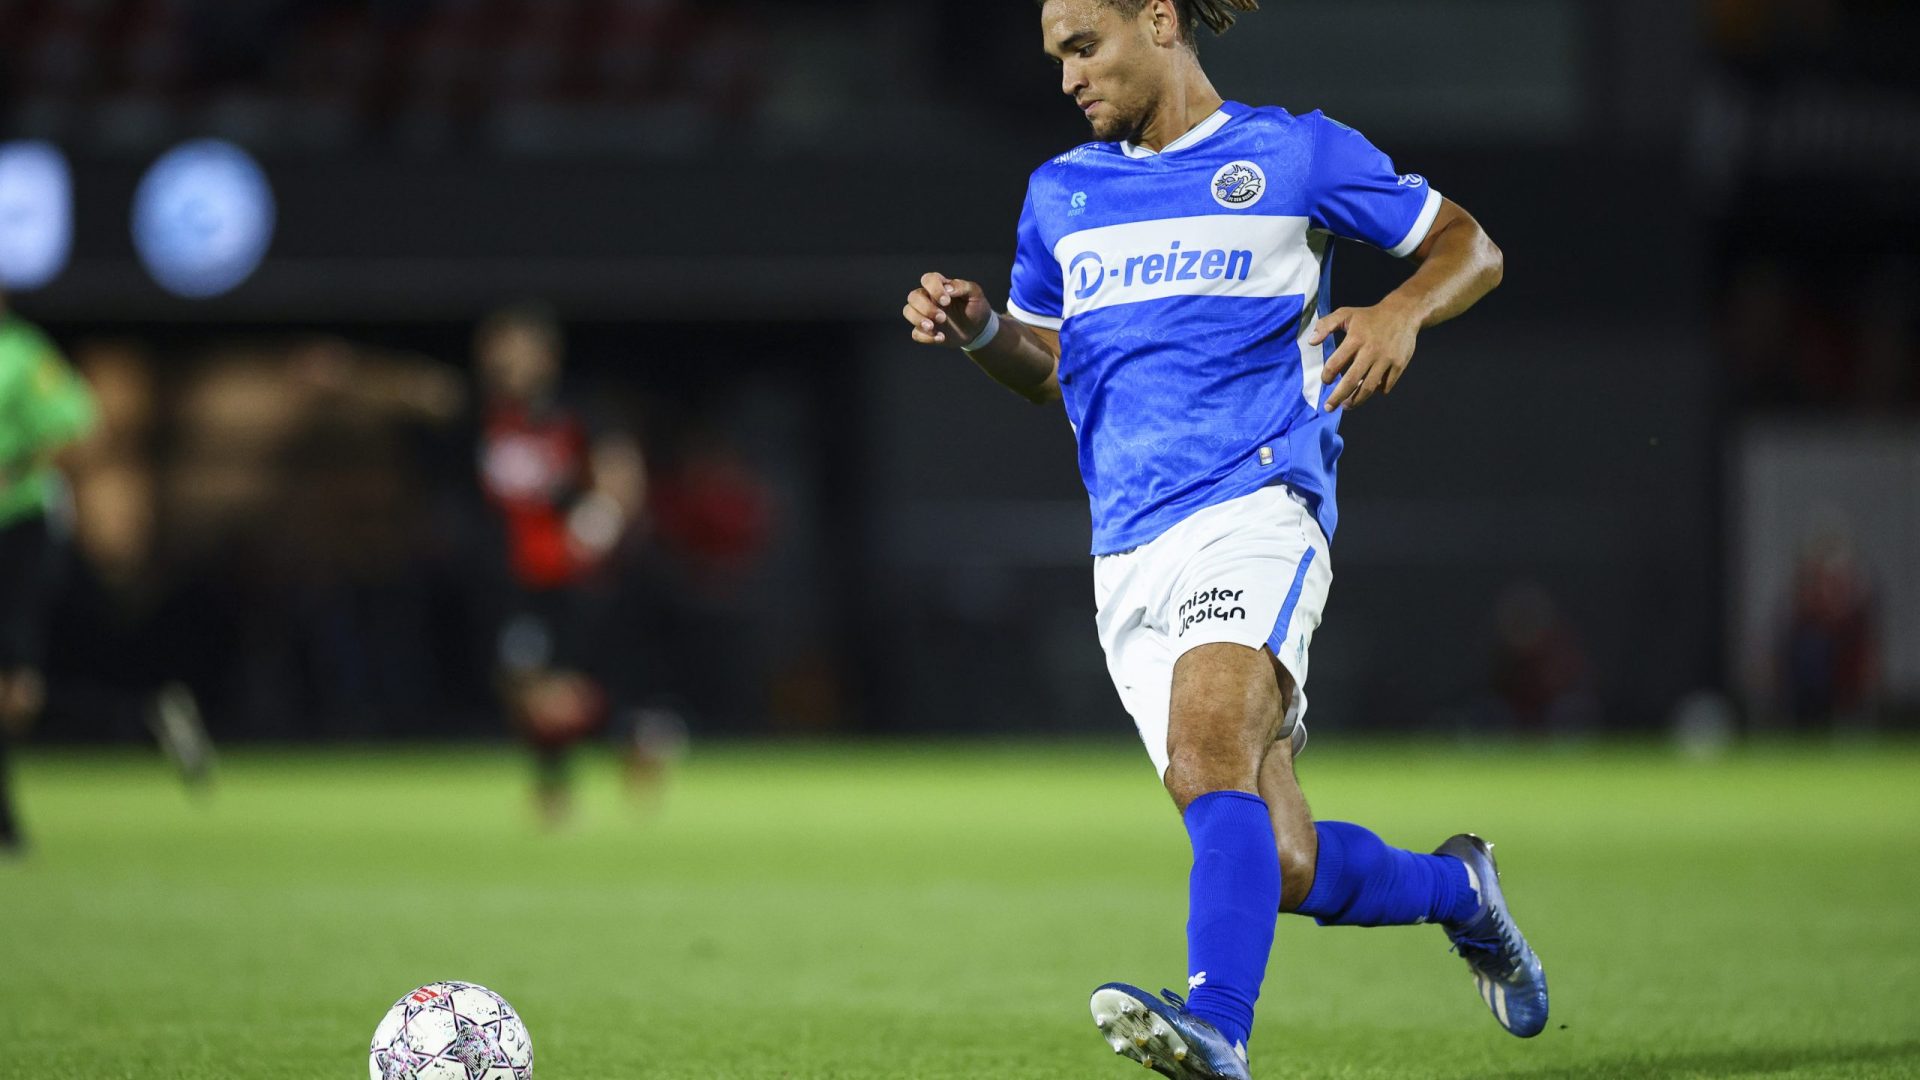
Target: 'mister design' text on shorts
1210,604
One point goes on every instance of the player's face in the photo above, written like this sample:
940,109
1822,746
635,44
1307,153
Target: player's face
518,363
1112,65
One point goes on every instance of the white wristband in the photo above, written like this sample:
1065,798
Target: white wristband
985,337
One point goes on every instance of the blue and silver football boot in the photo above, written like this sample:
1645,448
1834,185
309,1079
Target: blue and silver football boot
1509,975
1164,1036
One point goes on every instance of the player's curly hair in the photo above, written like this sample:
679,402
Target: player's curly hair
1216,15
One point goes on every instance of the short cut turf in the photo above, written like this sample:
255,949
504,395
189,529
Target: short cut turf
934,912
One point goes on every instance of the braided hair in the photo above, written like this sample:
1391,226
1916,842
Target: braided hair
1217,15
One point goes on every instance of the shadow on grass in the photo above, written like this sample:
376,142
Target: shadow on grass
1757,1061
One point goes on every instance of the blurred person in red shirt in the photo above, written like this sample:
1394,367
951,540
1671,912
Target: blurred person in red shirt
1830,651
564,493
1542,678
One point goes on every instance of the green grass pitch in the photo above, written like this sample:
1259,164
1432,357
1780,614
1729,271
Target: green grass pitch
942,911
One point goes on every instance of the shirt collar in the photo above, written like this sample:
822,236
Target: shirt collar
1194,136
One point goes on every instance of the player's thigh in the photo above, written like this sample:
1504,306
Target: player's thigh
1241,573
1260,582
1224,713
1239,722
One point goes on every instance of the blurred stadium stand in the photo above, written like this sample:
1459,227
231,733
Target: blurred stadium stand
1702,207
419,77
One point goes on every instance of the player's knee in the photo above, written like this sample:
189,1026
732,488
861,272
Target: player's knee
1221,721
1197,767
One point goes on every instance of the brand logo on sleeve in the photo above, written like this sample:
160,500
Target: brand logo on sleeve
1239,184
1208,605
1413,180
1077,205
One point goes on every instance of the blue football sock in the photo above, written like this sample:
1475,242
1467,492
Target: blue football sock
1232,896
1359,881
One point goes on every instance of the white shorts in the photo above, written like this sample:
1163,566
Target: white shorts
1253,571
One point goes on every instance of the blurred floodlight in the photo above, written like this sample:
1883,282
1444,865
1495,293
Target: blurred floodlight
203,218
36,214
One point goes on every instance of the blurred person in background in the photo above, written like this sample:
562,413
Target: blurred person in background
1542,681
113,600
563,492
44,408
1829,656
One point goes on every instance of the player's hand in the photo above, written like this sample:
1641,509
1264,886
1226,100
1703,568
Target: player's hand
946,311
1374,354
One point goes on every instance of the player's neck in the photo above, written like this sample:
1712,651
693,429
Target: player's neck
1187,104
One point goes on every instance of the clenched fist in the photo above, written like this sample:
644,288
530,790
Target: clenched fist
946,311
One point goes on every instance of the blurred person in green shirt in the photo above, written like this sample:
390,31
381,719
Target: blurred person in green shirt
44,407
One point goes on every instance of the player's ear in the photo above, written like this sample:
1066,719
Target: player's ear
1163,22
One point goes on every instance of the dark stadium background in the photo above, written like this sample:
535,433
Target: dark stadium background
1584,511
1627,571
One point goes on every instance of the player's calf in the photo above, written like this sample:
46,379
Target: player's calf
1360,881
1293,831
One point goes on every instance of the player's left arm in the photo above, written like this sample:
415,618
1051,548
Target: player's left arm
1458,264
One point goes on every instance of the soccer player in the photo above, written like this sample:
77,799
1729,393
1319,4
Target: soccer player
44,407
564,496
1170,287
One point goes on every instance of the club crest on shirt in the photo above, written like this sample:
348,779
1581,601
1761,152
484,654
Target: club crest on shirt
1239,184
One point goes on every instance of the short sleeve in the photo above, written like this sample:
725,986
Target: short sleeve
1035,297
63,402
54,405
1356,193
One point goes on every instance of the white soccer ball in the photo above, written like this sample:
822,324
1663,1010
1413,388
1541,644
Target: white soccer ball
451,1031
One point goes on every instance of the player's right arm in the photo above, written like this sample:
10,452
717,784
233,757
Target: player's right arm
955,313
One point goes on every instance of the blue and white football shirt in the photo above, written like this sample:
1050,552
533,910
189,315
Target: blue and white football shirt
1184,284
